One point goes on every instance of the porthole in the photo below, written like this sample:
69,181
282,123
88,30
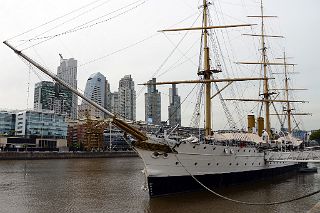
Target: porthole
213,148
155,155
238,150
217,164
195,163
259,163
254,150
244,150
194,147
204,147
230,164
245,164
252,163
249,150
209,164
177,163
237,164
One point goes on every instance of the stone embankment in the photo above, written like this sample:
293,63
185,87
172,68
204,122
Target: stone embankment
62,155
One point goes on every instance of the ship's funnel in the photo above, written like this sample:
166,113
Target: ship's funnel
251,123
260,122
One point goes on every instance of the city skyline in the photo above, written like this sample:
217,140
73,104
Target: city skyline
152,53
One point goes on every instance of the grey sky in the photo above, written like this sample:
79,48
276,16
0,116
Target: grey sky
297,20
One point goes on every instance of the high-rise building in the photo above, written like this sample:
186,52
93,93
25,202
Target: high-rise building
98,90
51,96
67,71
62,104
152,104
175,107
114,102
127,98
107,96
44,95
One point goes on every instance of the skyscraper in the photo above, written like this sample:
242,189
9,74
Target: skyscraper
114,103
44,95
152,104
98,90
67,71
127,98
175,107
52,96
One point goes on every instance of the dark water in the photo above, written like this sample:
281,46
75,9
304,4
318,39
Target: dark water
114,185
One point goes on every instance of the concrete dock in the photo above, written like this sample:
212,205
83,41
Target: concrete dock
63,155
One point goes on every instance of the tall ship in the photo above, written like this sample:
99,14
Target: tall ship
216,158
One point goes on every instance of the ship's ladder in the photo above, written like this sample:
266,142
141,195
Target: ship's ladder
294,156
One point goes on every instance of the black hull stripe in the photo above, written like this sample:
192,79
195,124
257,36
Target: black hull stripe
159,186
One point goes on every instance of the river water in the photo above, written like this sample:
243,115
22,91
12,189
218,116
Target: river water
115,185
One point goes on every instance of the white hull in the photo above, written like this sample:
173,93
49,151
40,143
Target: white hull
207,160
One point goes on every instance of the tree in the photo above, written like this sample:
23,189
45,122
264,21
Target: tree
315,135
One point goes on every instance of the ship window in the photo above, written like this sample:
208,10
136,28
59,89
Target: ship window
217,164
254,150
195,163
259,163
194,147
249,150
244,150
230,164
209,164
252,163
213,148
204,147
245,164
177,163
237,164
238,150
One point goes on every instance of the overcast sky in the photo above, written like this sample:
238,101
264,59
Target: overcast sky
123,39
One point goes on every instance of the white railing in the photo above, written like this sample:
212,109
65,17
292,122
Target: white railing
294,156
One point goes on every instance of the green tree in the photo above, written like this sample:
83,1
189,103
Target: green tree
315,135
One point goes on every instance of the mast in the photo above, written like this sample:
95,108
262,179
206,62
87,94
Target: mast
265,86
287,92
207,72
266,94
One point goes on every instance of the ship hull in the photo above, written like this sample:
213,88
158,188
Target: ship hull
160,186
212,164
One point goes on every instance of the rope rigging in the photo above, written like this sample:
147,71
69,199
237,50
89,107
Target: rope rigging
73,11
85,26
